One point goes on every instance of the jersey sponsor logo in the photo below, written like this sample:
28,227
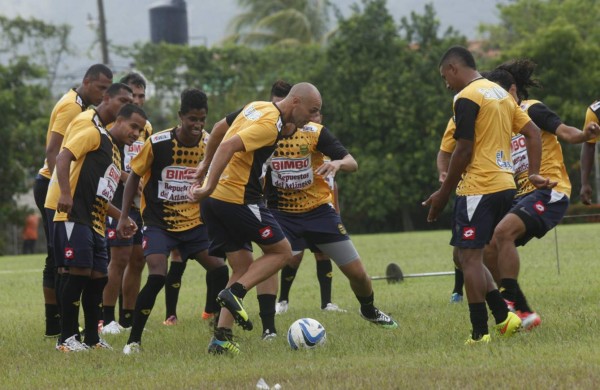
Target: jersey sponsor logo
539,207
69,253
503,162
160,137
107,185
252,114
266,232
292,173
111,234
130,152
176,181
519,154
304,149
494,93
310,128
468,233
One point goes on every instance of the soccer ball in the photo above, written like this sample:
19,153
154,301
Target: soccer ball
306,333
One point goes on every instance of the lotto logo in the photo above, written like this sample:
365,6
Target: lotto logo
468,233
539,207
266,232
112,234
69,254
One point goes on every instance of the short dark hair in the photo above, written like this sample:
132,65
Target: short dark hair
280,89
522,71
115,88
134,78
129,109
193,98
94,72
500,77
461,54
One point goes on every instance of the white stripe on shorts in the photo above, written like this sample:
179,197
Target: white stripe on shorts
472,203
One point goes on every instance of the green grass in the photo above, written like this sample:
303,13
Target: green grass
427,350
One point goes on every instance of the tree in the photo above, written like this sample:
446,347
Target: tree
283,22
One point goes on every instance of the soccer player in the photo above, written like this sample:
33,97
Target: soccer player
300,199
443,160
486,116
87,172
233,206
126,255
167,162
592,114
534,211
95,82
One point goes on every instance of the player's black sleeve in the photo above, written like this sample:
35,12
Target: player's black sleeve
331,146
544,117
465,115
231,117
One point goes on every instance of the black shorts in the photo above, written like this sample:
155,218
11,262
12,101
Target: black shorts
189,242
111,230
322,225
232,227
476,216
540,211
78,245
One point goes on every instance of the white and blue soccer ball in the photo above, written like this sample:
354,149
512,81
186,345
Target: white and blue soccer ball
306,333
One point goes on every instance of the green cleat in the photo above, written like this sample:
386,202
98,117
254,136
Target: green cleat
234,304
509,326
485,339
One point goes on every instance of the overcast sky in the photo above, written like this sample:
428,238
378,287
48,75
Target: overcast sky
128,21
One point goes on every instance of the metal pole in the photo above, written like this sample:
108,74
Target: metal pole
102,32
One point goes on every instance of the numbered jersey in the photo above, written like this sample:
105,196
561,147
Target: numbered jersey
291,184
166,166
93,176
552,164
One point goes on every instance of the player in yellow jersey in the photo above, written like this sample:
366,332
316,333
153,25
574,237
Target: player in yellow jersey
126,257
87,172
442,161
95,81
592,114
166,163
534,211
233,206
481,171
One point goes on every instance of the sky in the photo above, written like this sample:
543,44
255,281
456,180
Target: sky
128,21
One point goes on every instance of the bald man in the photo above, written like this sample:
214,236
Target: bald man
232,201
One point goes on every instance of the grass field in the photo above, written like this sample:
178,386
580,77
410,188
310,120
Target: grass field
426,351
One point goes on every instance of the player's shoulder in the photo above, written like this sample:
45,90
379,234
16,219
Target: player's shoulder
161,136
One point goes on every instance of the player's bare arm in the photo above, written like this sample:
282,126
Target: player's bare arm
124,226
346,164
63,168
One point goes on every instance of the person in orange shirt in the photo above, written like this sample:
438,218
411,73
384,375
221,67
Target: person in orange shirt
30,233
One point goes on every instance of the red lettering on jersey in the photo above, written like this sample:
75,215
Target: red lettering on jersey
266,232
289,164
114,174
135,148
517,143
179,174
539,207
468,233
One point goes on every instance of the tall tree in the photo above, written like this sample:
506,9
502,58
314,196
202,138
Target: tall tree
283,22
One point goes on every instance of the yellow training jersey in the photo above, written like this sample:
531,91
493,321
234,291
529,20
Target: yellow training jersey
552,165
591,115
66,109
448,142
259,126
291,184
166,166
93,177
487,115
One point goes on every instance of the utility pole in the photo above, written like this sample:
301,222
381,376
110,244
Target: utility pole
102,32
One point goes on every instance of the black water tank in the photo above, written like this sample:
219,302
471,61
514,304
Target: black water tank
168,22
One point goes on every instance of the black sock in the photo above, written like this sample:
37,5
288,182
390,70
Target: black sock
238,290
266,305
143,306
366,305
288,274
91,301
52,319
479,317
172,287
216,280
459,281
497,305
127,318
223,334
509,289
120,304
324,275
521,302
71,298
108,313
